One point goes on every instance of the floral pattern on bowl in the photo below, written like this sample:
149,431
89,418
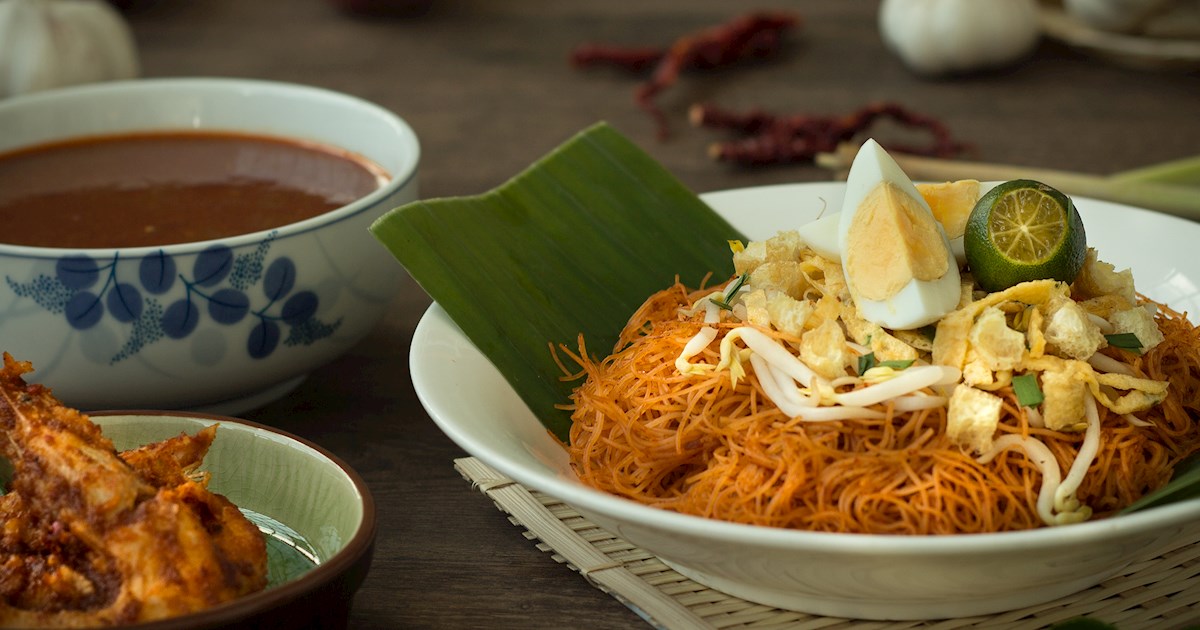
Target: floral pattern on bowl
157,299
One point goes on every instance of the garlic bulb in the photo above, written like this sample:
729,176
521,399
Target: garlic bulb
51,43
1116,15
936,37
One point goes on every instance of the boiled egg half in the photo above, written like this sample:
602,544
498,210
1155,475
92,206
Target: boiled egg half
896,257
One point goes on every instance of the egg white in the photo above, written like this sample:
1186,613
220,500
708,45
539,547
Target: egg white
821,235
919,302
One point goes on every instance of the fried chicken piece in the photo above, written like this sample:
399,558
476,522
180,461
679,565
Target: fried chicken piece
90,537
172,461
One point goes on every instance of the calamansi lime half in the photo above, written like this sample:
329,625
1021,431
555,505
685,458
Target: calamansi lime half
1024,230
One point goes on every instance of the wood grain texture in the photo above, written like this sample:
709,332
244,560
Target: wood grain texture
488,89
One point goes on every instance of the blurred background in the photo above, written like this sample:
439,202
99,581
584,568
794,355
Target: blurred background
488,86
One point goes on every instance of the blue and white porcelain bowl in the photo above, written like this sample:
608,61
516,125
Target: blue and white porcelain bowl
222,325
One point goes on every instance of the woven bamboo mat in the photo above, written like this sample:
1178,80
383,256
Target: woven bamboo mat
1160,591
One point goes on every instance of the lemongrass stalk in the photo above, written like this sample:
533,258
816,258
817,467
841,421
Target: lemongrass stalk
1183,172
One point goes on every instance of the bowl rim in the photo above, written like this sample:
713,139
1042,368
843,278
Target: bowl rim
360,544
406,138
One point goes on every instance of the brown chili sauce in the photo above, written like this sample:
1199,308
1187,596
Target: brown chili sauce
160,188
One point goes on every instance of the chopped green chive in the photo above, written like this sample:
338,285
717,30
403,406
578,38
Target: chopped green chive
866,362
897,364
1128,341
1029,394
723,301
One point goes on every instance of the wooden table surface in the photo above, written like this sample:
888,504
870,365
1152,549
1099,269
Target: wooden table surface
488,89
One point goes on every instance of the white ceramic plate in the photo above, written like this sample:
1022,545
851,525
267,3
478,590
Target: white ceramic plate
842,575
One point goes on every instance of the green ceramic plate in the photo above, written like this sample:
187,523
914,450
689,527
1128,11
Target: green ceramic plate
316,513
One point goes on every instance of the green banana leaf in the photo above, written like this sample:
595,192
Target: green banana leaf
572,245
1184,484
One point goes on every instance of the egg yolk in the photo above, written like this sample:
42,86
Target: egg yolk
891,241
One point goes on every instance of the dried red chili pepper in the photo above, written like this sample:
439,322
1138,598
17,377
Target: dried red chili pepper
633,59
755,35
773,139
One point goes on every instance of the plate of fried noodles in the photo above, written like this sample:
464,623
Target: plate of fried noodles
782,449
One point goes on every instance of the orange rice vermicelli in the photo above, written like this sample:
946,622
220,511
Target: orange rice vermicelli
699,445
